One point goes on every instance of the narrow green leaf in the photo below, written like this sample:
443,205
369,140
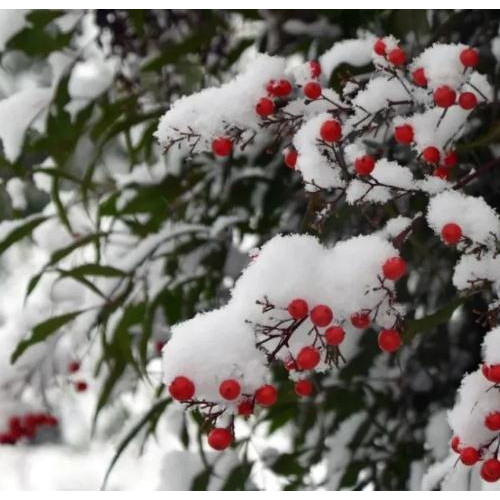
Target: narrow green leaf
20,232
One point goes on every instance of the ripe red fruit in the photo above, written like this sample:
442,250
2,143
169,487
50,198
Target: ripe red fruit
469,455
290,365
419,77
222,146
451,233
444,96
81,386
431,154
312,90
389,340
315,68
360,320
298,308
394,268
397,56
266,395
490,470
494,374
404,134
379,47
291,158
308,358
492,421
245,408
330,131
467,100
264,107
280,88
455,443
181,388
73,367
219,439
485,370
334,335
321,315
442,173
364,165
303,388
230,389
450,159
469,58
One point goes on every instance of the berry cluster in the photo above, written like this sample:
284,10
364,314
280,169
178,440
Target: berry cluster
26,426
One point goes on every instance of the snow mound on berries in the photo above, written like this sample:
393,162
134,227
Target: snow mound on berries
471,270
355,52
491,347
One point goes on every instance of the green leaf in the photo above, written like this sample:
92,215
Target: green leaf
20,232
95,270
237,478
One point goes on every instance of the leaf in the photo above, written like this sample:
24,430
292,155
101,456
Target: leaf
20,232
287,465
238,477
80,242
95,270
42,331
200,482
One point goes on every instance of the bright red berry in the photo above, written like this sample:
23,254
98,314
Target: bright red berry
404,134
291,158
394,268
389,340
442,173
181,388
330,131
397,56
379,47
308,358
280,88
321,315
315,68
492,421
303,388
469,455
312,90
290,365
451,233
266,395
467,100
494,373
469,58
455,444
364,165
73,367
334,335
219,439
450,159
81,386
431,154
222,146
298,308
230,389
264,107
419,77
444,96
245,408
490,470
360,320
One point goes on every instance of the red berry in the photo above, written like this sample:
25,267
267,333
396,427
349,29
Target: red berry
312,90
394,268
431,154
490,470
455,443
291,158
467,100
469,58
451,233
321,315
280,88
315,68
330,131
379,47
442,173
485,369
81,386
230,389
303,388
364,165
334,335
397,56
450,159
419,77
290,365
181,388
245,408
159,345
222,146
264,107
389,340
469,455
492,421
73,367
219,439
298,308
308,358
444,96
494,374
266,395
404,134
51,421
360,320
